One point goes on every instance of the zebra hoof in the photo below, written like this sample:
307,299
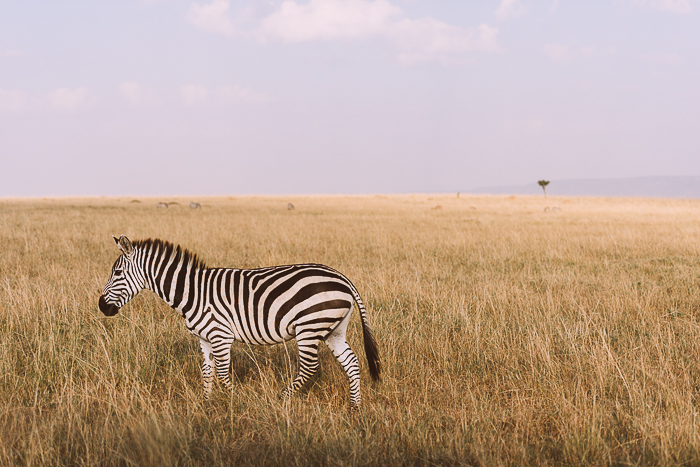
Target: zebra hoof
286,394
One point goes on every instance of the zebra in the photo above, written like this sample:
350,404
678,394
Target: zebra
265,306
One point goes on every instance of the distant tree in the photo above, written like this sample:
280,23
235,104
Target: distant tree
543,184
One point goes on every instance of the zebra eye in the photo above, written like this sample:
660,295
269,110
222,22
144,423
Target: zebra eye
117,272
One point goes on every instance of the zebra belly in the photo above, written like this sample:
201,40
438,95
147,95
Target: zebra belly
317,316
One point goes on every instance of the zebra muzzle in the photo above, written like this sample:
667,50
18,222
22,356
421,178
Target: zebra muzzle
107,308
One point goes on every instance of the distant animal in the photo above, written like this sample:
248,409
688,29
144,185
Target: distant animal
194,205
310,302
546,209
163,205
290,206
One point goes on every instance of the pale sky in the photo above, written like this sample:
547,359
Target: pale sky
175,97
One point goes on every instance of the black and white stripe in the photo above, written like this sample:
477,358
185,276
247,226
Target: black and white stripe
307,302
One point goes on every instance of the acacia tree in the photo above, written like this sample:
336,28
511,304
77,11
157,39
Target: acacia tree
543,184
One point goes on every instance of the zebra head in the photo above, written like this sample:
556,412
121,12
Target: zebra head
126,280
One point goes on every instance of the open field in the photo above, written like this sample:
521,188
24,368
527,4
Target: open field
509,335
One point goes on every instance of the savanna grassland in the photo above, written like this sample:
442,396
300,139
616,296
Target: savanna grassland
509,335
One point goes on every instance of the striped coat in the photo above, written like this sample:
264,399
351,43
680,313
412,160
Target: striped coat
307,302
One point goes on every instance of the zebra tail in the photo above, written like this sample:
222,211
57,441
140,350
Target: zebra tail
371,350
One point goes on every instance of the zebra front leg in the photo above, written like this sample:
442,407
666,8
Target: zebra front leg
308,365
207,367
222,357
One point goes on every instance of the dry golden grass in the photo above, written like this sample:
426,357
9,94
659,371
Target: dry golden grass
509,335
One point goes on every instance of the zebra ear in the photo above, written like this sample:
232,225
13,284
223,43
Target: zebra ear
124,244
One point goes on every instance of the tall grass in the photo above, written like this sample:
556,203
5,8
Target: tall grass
508,335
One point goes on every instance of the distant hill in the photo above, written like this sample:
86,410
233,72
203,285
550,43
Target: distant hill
650,187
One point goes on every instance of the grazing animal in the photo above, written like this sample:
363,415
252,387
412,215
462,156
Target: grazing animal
194,205
290,206
163,205
309,302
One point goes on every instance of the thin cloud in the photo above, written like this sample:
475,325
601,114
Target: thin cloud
587,51
193,94
12,100
135,93
196,95
11,53
559,52
564,53
329,20
427,39
509,9
212,18
72,100
663,59
239,94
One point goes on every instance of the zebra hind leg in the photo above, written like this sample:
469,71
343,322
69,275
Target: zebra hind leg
348,360
308,365
338,345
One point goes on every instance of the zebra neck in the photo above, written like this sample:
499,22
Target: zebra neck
178,283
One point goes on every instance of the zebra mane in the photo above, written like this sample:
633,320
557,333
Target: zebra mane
163,247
